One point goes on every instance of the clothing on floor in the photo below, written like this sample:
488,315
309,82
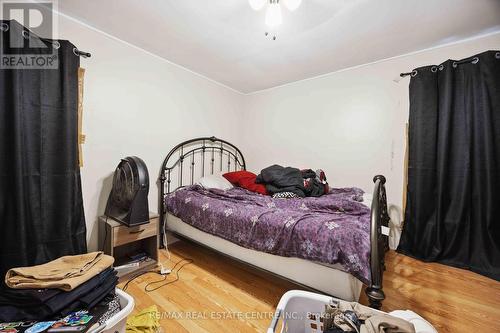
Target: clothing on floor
83,296
64,273
145,321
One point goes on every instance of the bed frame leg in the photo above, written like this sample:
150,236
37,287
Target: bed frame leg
378,242
375,297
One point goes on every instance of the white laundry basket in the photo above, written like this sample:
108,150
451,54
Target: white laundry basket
301,311
118,322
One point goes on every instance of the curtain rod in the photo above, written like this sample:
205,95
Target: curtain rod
408,73
473,60
27,33
81,53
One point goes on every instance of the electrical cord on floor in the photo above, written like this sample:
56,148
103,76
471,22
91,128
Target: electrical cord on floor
186,261
167,252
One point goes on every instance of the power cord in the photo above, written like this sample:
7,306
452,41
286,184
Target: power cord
164,270
165,241
186,261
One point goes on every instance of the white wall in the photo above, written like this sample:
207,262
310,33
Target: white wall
350,123
138,104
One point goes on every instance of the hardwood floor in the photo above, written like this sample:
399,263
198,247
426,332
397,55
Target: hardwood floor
217,294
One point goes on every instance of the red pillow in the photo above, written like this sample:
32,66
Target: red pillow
246,180
234,177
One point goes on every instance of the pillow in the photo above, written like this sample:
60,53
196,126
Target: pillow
246,180
234,177
215,181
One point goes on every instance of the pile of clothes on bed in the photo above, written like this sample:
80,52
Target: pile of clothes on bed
282,182
292,182
69,291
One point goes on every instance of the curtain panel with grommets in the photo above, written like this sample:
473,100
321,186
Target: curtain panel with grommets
453,193
41,205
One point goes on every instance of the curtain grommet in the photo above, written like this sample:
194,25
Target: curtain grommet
75,51
434,69
497,55
25,34
455,65
4,27
414,73
441,67
56,44
475,60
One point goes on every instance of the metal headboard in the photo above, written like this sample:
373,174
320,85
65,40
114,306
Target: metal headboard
204,156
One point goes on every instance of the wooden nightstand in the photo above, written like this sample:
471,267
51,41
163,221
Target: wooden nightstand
121,242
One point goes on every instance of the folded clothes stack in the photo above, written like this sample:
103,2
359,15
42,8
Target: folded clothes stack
55,290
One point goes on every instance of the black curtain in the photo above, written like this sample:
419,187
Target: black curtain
41,207
453,195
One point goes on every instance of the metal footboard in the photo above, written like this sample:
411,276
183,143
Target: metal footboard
379,242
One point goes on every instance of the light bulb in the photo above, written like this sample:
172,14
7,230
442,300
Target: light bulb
257,4
292,4
273,15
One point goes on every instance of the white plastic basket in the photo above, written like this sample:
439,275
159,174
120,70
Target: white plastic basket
118,322
300,312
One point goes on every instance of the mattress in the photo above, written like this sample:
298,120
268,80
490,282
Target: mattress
329,279
331,229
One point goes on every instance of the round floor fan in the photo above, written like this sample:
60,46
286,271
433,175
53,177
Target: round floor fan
128,200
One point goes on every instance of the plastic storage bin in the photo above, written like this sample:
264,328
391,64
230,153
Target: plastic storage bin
118,322
300,312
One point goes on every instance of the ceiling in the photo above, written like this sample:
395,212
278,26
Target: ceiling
224,39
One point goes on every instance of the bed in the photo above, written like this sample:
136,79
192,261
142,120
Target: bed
332,244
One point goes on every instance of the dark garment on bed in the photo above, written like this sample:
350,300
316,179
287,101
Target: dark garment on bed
279,179
282,179
285,195
331,229
55,305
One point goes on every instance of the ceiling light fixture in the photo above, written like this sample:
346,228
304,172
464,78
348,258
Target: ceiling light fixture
292,4
273,13
257,4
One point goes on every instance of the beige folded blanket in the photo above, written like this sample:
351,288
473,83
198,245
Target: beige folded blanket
64,273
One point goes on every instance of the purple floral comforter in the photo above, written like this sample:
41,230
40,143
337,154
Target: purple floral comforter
331,229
